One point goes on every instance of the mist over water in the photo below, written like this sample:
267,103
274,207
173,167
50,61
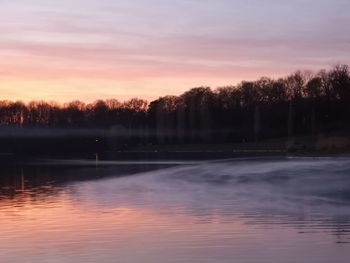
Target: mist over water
244,210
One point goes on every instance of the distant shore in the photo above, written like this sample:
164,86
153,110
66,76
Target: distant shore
298,147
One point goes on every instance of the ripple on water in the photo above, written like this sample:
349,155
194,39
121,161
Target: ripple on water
283,210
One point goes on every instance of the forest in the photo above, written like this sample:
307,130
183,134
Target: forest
302,103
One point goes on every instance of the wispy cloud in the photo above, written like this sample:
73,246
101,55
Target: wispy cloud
127,46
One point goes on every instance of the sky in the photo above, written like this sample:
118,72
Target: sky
63,50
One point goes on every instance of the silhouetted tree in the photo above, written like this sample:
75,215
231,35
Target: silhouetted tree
299,104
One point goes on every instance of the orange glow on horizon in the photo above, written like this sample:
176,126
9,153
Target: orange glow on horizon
50,50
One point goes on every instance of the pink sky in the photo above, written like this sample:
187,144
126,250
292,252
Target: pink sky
84,49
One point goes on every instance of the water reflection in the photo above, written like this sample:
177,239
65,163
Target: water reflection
47,179
228,211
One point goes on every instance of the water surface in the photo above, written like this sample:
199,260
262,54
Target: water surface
258,210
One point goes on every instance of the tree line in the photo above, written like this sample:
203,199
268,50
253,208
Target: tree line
303,103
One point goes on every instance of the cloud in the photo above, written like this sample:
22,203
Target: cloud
155,41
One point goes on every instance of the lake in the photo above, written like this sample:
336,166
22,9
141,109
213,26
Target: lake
242,210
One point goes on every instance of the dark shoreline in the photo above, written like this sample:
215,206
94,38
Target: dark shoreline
79,149
108,158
